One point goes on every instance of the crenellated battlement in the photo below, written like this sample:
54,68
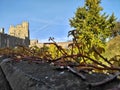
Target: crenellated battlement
18,35
20,30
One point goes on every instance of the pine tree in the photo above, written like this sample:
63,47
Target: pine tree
92,28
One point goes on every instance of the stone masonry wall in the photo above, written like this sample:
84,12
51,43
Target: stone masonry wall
36,43
18,35
20,30
11,41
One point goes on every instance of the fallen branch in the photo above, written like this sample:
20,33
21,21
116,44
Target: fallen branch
81,55
105,59
70,70
105,81
58,47
76,73
97,67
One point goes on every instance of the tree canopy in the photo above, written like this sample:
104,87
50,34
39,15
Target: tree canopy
116,29
91,26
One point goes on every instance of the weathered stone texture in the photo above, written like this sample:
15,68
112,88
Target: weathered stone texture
18,35
20,31
11,41
44,76
4,84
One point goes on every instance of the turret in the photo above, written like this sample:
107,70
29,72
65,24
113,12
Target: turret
21,31
11,30
2,30
25,25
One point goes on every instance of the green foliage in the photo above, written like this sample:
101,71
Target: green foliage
91,27
116,29
113,47
54,52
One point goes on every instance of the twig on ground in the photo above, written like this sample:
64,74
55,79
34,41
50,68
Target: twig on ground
76,73
71,70
105,81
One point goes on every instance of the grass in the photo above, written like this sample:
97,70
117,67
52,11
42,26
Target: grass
113,47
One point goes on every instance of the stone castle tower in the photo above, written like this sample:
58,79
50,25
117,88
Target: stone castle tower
20,31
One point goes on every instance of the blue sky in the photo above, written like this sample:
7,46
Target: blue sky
47,18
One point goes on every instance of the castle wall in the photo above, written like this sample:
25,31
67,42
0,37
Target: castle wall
11,41
21,30
36,43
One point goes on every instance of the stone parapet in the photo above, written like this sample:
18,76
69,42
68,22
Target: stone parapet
11,41
43,76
